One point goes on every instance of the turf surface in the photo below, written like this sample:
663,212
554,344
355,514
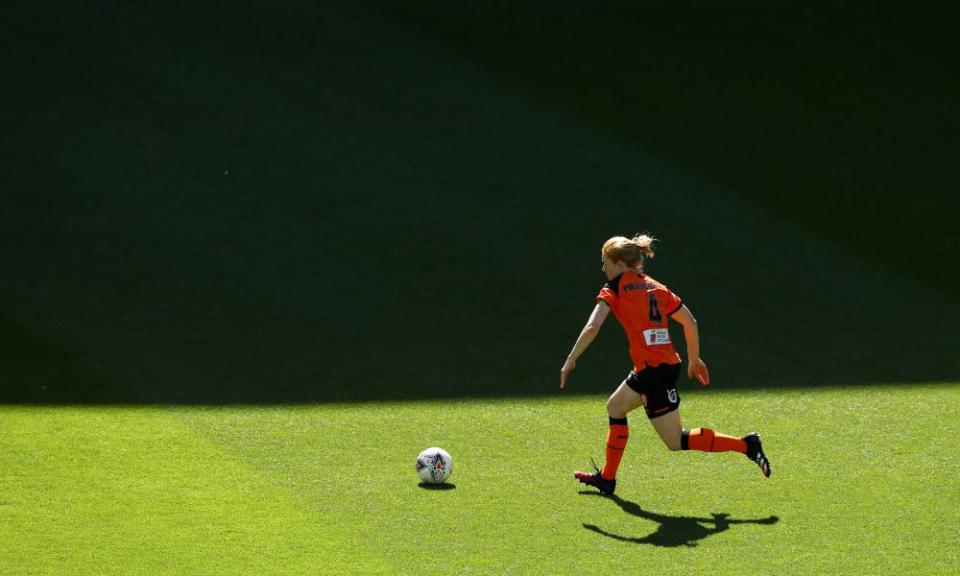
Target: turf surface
255,259
858,487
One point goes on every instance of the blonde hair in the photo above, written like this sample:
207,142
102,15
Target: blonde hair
630,251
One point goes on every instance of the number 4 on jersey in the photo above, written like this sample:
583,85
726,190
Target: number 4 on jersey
654,310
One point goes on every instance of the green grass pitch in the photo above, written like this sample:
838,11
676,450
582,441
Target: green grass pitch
255,258
331,489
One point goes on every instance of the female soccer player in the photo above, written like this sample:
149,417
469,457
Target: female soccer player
643,305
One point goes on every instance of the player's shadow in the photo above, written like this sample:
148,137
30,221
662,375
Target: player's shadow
674,531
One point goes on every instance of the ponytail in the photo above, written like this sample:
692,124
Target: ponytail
630,251
644,243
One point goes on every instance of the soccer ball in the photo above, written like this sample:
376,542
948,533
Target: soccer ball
434,465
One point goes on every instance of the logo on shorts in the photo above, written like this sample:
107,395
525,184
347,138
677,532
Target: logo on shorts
672,395
644,398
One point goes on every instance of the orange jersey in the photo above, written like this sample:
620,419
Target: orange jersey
643,306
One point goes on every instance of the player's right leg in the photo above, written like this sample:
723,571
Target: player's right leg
663,409
755,452
708,440
669,428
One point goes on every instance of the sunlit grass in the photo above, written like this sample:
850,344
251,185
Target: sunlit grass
864,482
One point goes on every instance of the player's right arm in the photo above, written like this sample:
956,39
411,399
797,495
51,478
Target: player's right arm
696,368
589,332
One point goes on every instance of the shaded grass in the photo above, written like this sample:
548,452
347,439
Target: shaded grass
226,205
861,485
833,116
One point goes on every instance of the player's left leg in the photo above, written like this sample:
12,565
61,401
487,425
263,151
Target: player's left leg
623,401
620,403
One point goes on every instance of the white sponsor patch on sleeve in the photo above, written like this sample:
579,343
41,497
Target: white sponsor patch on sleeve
656,336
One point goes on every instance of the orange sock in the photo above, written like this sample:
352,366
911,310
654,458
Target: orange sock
706,440
616,443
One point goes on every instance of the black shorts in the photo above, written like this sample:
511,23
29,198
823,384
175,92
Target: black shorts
658,387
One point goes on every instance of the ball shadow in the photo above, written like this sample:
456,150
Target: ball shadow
440,487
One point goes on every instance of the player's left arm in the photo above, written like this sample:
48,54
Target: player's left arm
696,368
589,332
